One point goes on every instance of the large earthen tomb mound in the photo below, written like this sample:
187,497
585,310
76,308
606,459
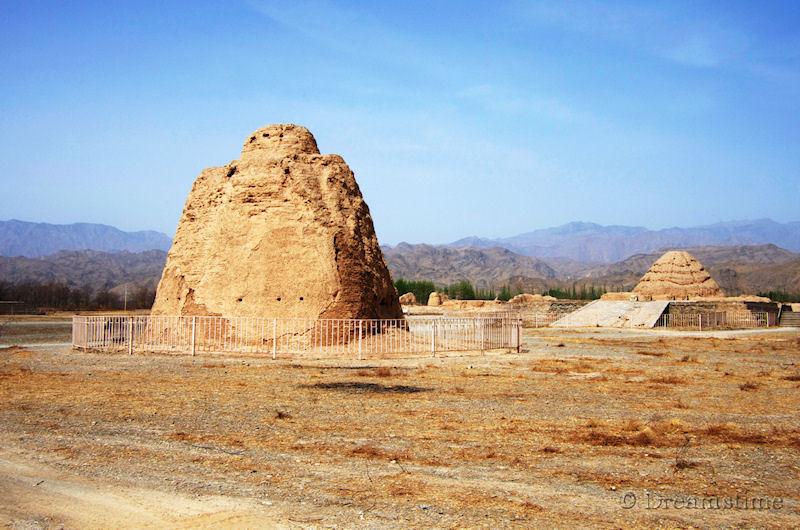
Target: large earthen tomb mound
677,275
281,232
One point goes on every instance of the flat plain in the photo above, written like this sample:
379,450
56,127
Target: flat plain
582,428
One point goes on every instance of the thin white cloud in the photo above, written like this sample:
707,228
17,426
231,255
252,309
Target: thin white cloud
353,32
661,30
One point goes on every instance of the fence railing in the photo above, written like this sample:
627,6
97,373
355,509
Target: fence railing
712,320
292,336
539,320
718,320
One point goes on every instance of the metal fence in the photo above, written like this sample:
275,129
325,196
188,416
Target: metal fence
307,337
718,320
540,320
713,320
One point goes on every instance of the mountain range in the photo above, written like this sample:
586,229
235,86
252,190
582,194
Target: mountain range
594,243
483,267
741,269
21,238
571,245
103,257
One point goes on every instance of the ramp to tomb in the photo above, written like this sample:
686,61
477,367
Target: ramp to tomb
614,314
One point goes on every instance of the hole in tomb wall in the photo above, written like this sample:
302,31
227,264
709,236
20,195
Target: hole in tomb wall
301,298
265,135
279,299
238,299
252,139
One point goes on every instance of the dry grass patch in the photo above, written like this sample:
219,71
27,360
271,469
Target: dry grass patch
381,371
648,353
476,454
667,380
682,464
731,433
634,432
583,366
549,366
406,487
397,456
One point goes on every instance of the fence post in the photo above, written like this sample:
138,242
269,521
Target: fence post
701,321
482,323
130,335
518,327
360,322
274,338
433,339
194,335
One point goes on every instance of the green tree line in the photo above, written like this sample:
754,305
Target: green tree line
782,296
60,296
585,292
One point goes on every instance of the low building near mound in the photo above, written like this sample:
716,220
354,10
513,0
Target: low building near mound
408,299
437,298
527,299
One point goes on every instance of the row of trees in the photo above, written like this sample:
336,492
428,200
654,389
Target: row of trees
782,296
590,292
464,290
422,289
60,296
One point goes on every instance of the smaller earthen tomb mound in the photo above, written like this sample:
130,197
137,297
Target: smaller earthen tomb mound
677,275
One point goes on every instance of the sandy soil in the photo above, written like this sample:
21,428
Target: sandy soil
566,433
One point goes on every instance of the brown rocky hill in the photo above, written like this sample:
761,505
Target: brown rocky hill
484,268
749,269
86,268
739,269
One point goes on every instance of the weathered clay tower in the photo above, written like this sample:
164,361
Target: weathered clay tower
281,232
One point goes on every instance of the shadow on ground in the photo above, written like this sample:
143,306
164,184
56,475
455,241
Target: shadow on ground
360,388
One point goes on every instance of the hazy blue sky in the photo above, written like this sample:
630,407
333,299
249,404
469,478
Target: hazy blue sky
458,118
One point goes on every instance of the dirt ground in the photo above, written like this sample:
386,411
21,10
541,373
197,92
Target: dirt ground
53,330
584,428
